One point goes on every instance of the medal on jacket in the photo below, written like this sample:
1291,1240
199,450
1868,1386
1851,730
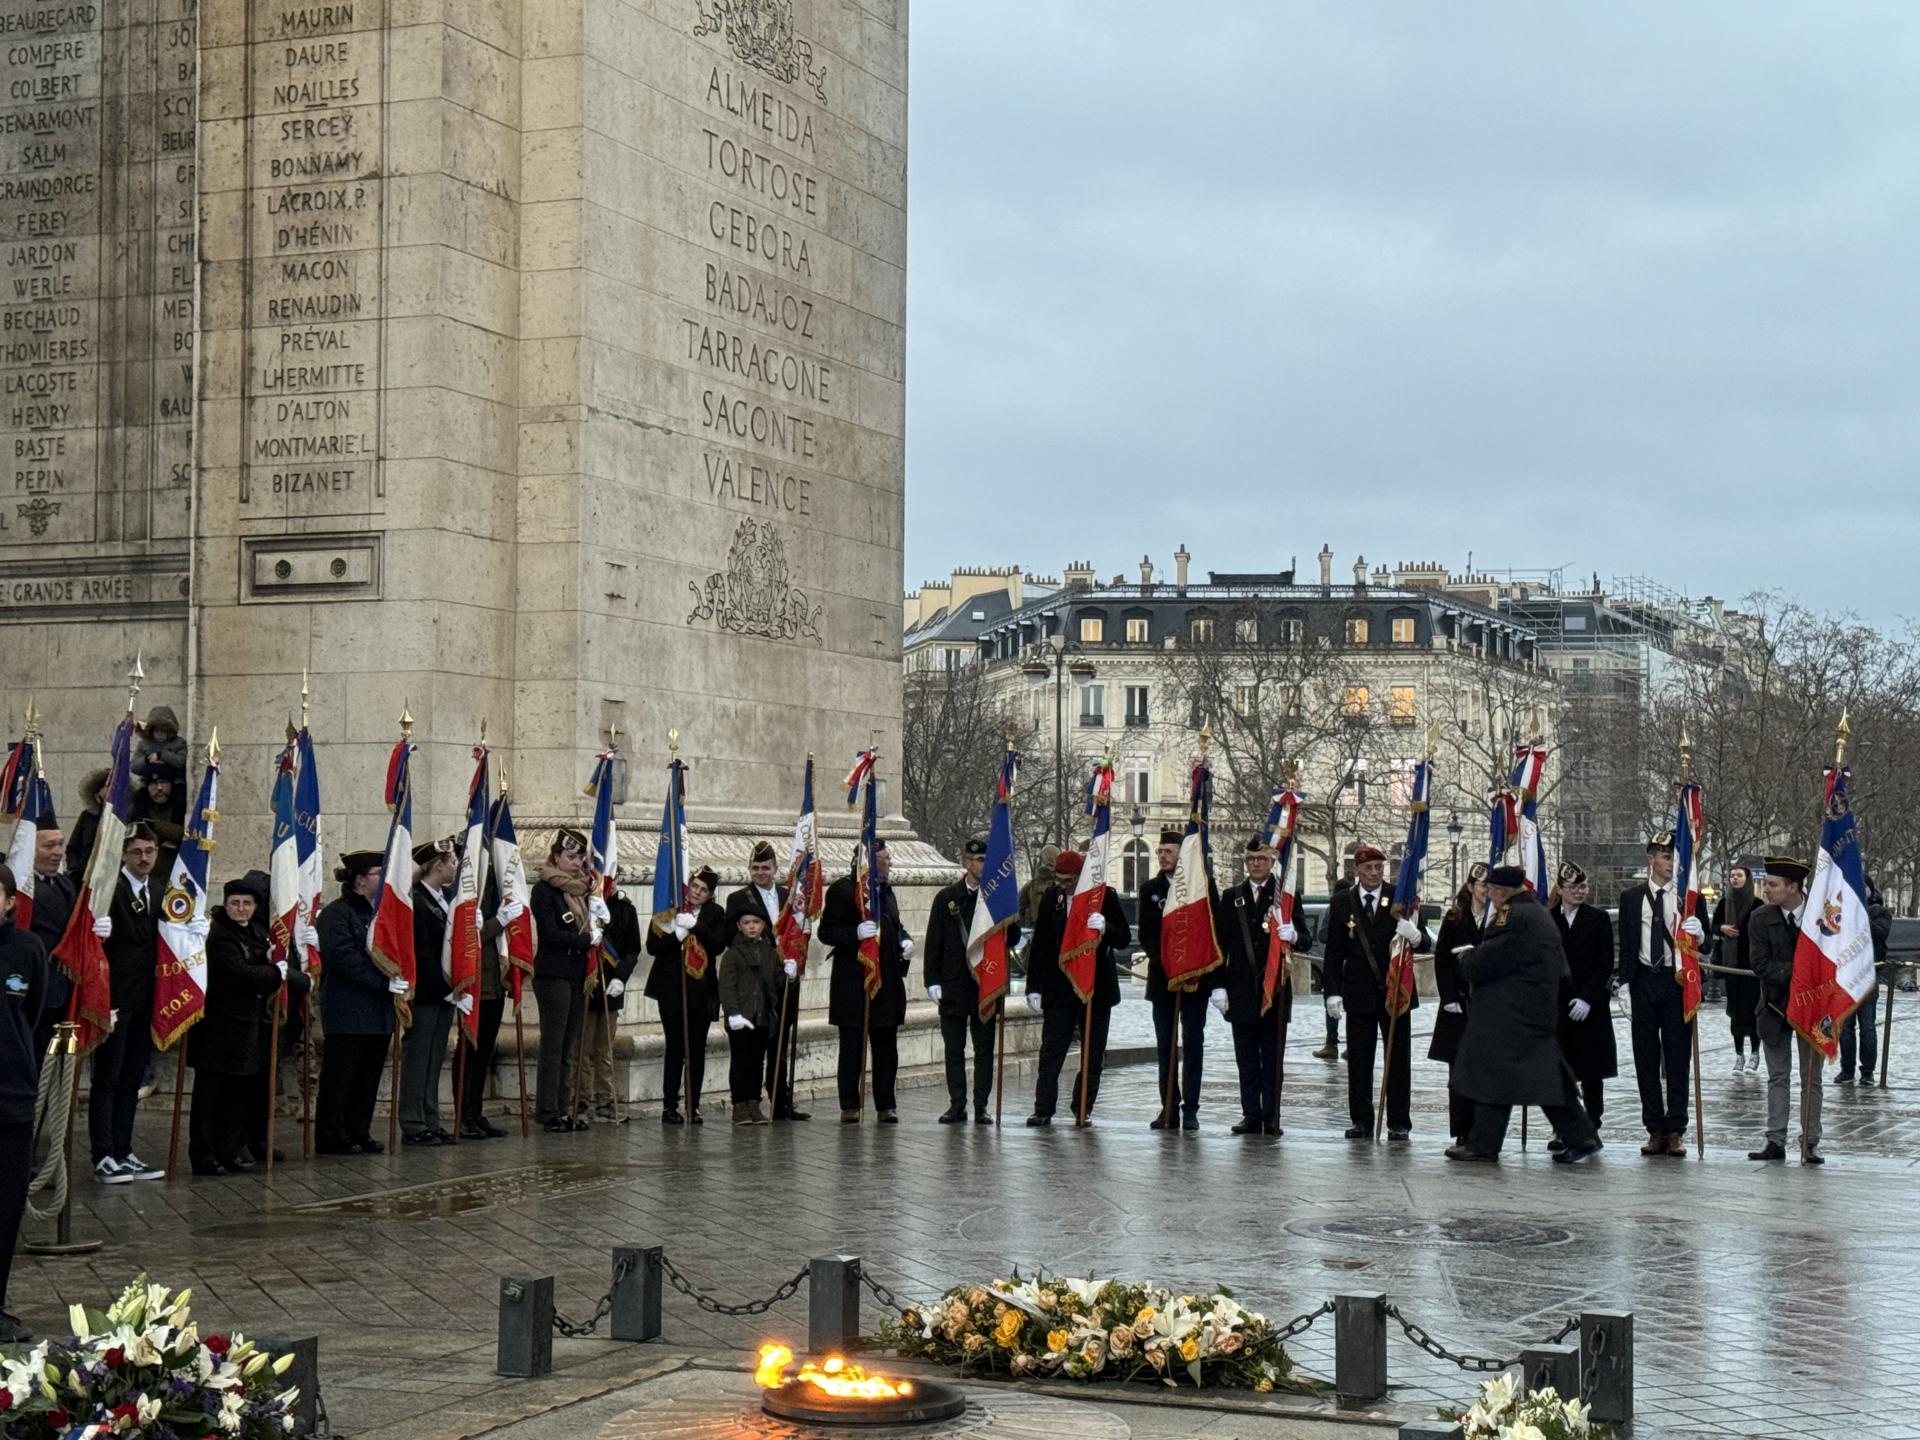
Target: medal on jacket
1353,927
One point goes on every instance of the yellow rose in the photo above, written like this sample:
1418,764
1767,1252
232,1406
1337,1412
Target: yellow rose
1090,1352
973,1342
1263,1385
1057,1339
1008,1330
1189,1349
1145,1317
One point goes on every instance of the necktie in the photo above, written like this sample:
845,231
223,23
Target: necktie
1793,920
1370,899
139,899
1657,946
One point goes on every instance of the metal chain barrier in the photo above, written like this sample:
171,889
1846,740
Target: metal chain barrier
1300,1324
600,1312
883,1294
1571,1327
717,1307
1484,1363
1591,1375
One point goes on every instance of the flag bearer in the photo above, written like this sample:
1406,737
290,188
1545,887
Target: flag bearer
950,982
1183,1090
1773,933
1248,913
1361,927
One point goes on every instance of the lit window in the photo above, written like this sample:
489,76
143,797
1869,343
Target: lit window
1244,699
1358,701
1091,627
1403,630
1403,702
1202,630
1136,631
1356,631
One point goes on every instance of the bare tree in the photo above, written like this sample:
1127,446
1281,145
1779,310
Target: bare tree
954,733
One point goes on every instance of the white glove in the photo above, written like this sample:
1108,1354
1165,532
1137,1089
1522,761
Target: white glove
1033,1001
595,931
868,929
199,929
792,967
1461,949
1288,934
1336,1007
113,1019
616,987
306,937
906,947
683,924
1218,1000
281,966
103,927
1579,1009
739,1022
464,1004
1096,922
1452,1007
397,986
597,908
1406,930
934,992
1691,926
510,912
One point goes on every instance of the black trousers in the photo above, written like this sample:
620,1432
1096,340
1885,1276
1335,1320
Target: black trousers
1060,1026
1662,1047
254,1096
1460,1112
480,1057
780,1086
746,1065
349,1088
119,1064
686,1056
883,1043
1568,1119
16,1168
954,1030
1593,1098
216,1121
1365,1034
1256,1054
1193,1008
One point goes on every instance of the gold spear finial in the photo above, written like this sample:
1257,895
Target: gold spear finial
673,743
483,732
33,718
1291,770
1840,740
306,697
406,720
1011,730
134,677
213,747
503,780
613,735
1206,738
1686,757
1433,739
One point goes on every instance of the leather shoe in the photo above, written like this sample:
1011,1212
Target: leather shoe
424,1138
367,1145
1399,1137
671,1116
981,1117
559,1127
335,1147
787,1112
953,1115
474,1130
1814,1157
1566,1155
1039,1119
1769,1151
1556,1145
694,1117
1268,1129
849,1117
208,1167
1246,1127
1325,1052
1354,1132
1471,1157
1160,1122
1656,1144
889,1117
240,1164
1677,1146
1190,1122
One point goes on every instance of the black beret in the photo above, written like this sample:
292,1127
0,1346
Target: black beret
245,885
1570,874
706,876
1507,877
976,845
1173,837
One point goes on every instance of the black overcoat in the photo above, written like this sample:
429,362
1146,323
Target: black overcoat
241,983
1510,1053
1457,928
1588,1045
943,960
847,988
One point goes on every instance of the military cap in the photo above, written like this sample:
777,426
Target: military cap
1569,874
354,863
1171,836
976,846
139,830
1507,877
1659,841
245,885
706,875
1365,853
1257,845
762,853
568,841
1785,867
427,851
1476,872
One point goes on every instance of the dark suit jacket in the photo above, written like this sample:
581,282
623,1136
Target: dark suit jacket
944,958
353,990
1588,1044
1044,975
130,949
1241,919
665,985
1349,971
1770,946
1632,904
1153,908
429,937
847,988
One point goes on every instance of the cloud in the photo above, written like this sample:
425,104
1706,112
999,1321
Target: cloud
1629,289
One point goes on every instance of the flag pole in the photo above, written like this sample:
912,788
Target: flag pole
1812,1060
1283,988
1693,1025
519,1021
674,802
306,1017
273,1066
179,1096
1169,1119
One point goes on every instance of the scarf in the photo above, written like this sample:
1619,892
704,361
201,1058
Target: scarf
576,886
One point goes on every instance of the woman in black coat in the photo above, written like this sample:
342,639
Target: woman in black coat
227,1044
1730,949
689,1004
1586,1020
1459,929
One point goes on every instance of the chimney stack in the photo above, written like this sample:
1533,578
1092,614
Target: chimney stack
1146,570
1180,559
1359,572
1326,567
1079,575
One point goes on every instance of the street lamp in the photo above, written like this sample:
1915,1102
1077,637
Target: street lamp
1454,831
1036,670
1137,822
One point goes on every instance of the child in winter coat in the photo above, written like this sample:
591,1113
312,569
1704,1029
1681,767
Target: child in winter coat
751,981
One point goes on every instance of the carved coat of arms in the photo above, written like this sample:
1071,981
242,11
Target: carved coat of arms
760,34
751,596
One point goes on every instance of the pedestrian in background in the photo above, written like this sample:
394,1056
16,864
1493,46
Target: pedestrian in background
1730,914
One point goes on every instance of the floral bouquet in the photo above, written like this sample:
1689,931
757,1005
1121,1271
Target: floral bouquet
1503,1413
143,1370
1050,1326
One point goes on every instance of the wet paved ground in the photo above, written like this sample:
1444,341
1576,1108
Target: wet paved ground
1769,1300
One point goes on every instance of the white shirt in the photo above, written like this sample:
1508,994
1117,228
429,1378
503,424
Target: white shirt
1667,904
1569,911
770,898
139,886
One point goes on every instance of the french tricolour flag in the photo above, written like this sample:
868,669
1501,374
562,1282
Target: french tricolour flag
79,952
1833,960
1188,946
1688,826
806,881
516,941
391,941
1282,821
35,804
998,905
1529,763
283,862
306,840
1401,985
460,949
1080,944
180,949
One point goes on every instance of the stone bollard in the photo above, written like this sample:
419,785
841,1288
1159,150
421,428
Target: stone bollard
304,1373
1360,1345
1606,1353
636,1297
833,1302
1551,1367
526,1326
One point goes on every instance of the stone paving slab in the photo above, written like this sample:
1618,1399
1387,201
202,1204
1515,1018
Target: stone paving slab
1769,1300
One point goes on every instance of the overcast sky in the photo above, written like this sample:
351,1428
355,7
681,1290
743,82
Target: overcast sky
1627,288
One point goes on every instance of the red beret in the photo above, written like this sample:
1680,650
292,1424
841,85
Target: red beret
1069,862
1368,852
